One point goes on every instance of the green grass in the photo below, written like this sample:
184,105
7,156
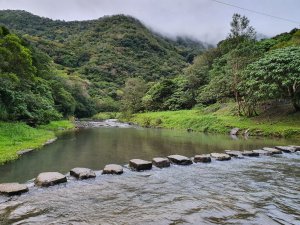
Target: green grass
19,136
106,116
221,121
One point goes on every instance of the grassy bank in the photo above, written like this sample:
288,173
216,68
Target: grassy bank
19,136
221,121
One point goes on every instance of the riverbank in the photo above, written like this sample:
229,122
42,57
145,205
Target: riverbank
221,121
15,137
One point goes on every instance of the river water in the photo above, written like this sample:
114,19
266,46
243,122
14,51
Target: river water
263,190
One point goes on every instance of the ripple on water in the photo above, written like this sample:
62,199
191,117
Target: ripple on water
241,191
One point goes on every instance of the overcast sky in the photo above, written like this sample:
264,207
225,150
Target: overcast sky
206,20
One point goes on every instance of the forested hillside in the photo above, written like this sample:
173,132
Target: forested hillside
116,64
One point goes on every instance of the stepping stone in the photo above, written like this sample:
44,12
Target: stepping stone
139,164
220,156
234,131
180,160
161,162
49,179
262,152
287,149
234,153
204,158
13,188
112,169
272,150
82,173
297,148
250,153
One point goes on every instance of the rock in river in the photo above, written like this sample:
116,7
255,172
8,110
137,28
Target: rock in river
49,178
234,153
13,188
82,173
180,160
161,162
287,149
112,169
263,152
250,153
272,150
220,156
139,164
205,158
234,131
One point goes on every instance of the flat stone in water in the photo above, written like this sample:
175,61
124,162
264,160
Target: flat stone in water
220,156
49,178
82,173
287,149
297,148
180,160
12,188
272,150
112,169
205,158
139,164
161,162
262,152
250,153
234,153
22,152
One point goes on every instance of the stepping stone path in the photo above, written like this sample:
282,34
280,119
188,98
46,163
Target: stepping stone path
272,150
250,153
161,162
233,153
113,169
82,173
139,164
13,188
180,160
287,149
220,156
49,179
262,152
205,158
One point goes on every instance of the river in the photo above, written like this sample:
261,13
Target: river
263,190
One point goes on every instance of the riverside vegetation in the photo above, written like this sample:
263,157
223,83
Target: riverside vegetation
52,70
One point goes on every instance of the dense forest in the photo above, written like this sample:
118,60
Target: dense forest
53,69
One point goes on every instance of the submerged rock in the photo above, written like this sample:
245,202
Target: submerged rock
220,156
287,149
262,152
180,160
112,169
139,164
272,150
12,188
82,173
250,153
161,162
49,178
205,158
234,153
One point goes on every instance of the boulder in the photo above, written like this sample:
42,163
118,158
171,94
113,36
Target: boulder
82,173
272,150
220,156
139,164
12,188
180,160
161,162
262,152
234,131
112,169
204,158
287,149
49,178
250,153
297,148
234,153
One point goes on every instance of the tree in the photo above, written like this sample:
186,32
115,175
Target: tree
276,75
240,28
134,90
